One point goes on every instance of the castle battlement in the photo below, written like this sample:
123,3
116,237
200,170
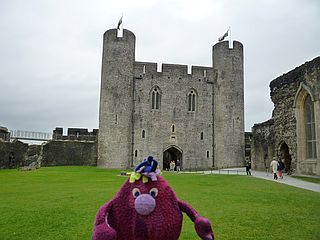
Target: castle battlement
179,70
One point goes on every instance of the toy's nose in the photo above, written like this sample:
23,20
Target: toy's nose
144,204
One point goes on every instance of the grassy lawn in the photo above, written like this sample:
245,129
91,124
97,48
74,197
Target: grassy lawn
61,203
308,179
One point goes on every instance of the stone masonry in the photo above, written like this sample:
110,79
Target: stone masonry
287,129
197,117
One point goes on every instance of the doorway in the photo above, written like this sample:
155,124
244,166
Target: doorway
171,154
286,157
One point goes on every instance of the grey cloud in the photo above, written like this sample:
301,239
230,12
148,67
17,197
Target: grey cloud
51,50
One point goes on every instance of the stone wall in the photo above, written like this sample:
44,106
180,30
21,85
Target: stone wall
69,153
54,153
4,134
286,136
13,154
174,85
284,119
262,146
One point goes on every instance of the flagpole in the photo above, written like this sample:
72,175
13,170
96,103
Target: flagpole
122,22
230,41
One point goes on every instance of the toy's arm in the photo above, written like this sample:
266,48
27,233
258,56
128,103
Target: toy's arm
102,230
201,224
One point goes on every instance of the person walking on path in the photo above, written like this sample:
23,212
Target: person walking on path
280,168
274,166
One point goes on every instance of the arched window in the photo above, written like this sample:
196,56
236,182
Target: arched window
143,134
192,101
155,98
310,128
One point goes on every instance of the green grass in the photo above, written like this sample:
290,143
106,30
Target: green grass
308,179
61,203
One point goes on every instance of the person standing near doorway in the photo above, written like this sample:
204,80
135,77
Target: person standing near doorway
248,168
178,165
172,165
274,166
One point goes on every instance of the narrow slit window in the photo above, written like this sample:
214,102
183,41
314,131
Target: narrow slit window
201,136
172,128
207,154
192,101
155,99
136,153
143,134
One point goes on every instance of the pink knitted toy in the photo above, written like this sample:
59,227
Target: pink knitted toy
146,208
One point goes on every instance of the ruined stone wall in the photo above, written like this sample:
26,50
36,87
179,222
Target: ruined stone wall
284,118
262,147
4,134
12,154
54,153
288,93
69,153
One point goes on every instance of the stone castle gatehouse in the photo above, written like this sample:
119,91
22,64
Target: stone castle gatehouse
196,117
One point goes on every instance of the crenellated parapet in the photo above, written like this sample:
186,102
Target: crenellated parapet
174,70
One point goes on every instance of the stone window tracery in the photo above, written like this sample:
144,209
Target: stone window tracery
310,132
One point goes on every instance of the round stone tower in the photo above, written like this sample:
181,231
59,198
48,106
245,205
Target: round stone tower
116,100
228,105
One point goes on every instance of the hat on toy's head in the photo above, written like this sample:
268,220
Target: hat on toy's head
148,169
150,159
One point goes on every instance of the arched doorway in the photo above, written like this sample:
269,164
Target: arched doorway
171,154
286,157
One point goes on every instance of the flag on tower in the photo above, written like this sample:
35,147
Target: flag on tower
119,23
224,36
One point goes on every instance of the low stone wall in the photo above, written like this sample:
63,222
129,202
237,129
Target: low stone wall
69,153
54,153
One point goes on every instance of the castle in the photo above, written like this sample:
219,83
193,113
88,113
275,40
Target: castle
197,118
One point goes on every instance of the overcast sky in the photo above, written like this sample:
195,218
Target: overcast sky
50,50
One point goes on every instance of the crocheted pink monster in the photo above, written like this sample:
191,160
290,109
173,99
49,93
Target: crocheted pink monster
146,208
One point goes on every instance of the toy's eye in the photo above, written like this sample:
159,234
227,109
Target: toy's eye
135,192
153,192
